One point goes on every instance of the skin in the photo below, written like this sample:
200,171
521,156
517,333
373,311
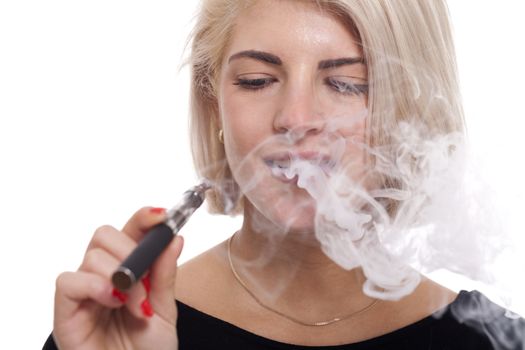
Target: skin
274,251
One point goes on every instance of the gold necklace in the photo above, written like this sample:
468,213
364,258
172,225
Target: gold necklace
288,317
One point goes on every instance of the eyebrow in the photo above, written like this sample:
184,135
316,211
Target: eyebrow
338,62
275,60
257,55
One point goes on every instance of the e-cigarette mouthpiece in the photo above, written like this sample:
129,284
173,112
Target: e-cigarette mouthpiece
157,239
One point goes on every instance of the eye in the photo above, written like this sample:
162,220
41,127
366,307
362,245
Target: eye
347,86
255,84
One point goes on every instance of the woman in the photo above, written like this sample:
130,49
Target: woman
286,96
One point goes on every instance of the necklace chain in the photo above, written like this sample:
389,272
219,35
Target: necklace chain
288,317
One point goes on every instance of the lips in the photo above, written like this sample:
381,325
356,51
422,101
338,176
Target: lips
287,165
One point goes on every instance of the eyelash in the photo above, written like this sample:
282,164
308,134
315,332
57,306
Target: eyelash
337,85
255,84
347,88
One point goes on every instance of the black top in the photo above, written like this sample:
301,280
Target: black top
471,322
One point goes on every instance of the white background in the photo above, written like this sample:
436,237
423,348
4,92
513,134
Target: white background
93,120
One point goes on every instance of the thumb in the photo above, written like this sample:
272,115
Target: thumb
163,274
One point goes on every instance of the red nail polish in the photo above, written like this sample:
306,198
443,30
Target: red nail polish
147,283
146,308
123,297
157,211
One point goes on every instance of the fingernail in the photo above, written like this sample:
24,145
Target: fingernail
157,211
146,308
123,297
147,283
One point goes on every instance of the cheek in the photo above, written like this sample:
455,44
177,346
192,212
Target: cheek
355,161
246,124
352,129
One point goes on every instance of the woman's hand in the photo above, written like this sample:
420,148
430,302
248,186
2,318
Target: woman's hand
90,314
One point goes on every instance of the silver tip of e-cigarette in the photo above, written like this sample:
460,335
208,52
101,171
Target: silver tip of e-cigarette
123,278
202,187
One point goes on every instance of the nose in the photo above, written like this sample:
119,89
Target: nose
299,113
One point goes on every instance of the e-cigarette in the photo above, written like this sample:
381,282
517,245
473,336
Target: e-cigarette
157,239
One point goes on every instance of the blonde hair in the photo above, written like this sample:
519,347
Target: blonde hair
409,52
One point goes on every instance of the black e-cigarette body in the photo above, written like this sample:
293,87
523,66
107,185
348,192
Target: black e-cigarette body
157,239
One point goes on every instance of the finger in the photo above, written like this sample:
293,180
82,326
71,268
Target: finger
116,242
163,274
73,288
142,221
146,282
99,261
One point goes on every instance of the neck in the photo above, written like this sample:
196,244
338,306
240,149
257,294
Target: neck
290,271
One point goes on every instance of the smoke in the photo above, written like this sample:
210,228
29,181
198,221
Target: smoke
441,218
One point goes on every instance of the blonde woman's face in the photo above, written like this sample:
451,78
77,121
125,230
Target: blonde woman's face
292,88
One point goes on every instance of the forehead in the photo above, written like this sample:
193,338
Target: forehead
290,28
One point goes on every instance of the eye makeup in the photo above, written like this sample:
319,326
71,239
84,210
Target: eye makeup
255,84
